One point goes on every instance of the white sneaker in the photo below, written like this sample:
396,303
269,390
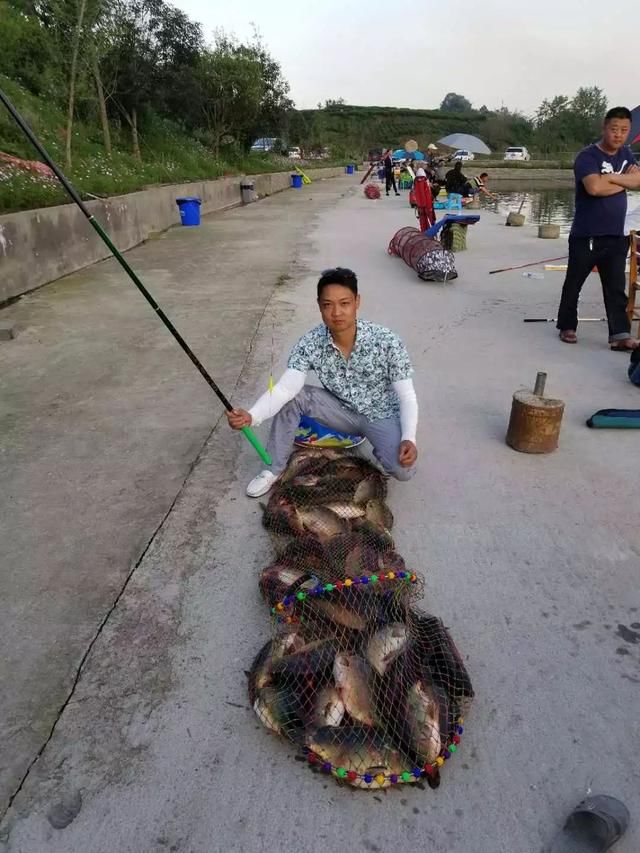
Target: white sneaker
261,484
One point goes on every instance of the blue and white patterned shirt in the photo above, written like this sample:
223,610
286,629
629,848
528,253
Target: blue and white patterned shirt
363,381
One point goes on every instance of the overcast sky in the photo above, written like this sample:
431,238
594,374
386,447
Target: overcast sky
495,52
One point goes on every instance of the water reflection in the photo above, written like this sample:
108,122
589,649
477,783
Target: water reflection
539,206
545,206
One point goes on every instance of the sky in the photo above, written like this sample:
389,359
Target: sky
494,53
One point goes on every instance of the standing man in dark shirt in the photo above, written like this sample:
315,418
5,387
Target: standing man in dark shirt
389,177
603,172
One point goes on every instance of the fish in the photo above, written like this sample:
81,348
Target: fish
336,611
373,534
329,708
360,559
370,488
391,561
377,512
346,510
360,749
307,461
432,647
351,674
261,673
321,522
386,645
279,580
280,711
312,660
423,720
279,516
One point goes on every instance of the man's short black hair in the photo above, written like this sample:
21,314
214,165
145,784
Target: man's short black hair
338,275
617,112
484,174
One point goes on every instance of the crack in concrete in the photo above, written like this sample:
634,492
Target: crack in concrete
136,565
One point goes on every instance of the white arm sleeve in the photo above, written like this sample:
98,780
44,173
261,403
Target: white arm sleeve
408,408
290,383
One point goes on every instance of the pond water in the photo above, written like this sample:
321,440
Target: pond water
543,206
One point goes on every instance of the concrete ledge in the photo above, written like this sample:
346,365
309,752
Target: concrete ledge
39,246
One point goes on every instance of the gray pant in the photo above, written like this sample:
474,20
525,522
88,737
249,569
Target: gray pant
328,410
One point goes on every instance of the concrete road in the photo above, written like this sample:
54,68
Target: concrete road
531,560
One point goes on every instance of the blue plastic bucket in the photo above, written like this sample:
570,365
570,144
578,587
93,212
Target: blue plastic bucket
189,210
349,169
296,182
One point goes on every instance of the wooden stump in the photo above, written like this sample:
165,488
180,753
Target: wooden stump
549,232
534,425
515,219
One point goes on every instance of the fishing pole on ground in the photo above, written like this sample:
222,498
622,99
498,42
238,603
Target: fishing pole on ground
531,264
555,320
24,127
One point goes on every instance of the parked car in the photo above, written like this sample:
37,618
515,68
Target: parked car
517,152
463,154
264,144
294,153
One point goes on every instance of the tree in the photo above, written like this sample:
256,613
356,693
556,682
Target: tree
590,103
230,87
275,105
454,103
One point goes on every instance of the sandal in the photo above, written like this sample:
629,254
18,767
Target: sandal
593,827
568,336
625,345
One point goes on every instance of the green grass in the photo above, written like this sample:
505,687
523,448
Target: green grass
169,156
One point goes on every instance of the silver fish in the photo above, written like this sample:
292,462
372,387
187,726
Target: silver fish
369,489
423,718
321,522
346,510
379,513
329,708
386,645
351,674
336,612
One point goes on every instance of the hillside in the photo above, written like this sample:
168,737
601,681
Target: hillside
168,155
355,128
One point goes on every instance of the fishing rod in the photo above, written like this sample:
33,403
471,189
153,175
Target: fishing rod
24,127
532,264
555,320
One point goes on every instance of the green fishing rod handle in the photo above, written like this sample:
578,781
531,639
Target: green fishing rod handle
254,441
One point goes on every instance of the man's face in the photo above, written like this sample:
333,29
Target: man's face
615,133
338,306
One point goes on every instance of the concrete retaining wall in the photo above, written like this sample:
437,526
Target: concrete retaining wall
39,246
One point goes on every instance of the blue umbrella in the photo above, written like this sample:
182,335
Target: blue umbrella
417,155
399,154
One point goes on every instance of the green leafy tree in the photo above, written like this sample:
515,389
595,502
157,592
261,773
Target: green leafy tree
230,92
454,103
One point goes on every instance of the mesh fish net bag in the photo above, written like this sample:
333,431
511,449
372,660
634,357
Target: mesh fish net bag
370,688
427,257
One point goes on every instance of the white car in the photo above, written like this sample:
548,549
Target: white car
295,153
517,152
463,154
